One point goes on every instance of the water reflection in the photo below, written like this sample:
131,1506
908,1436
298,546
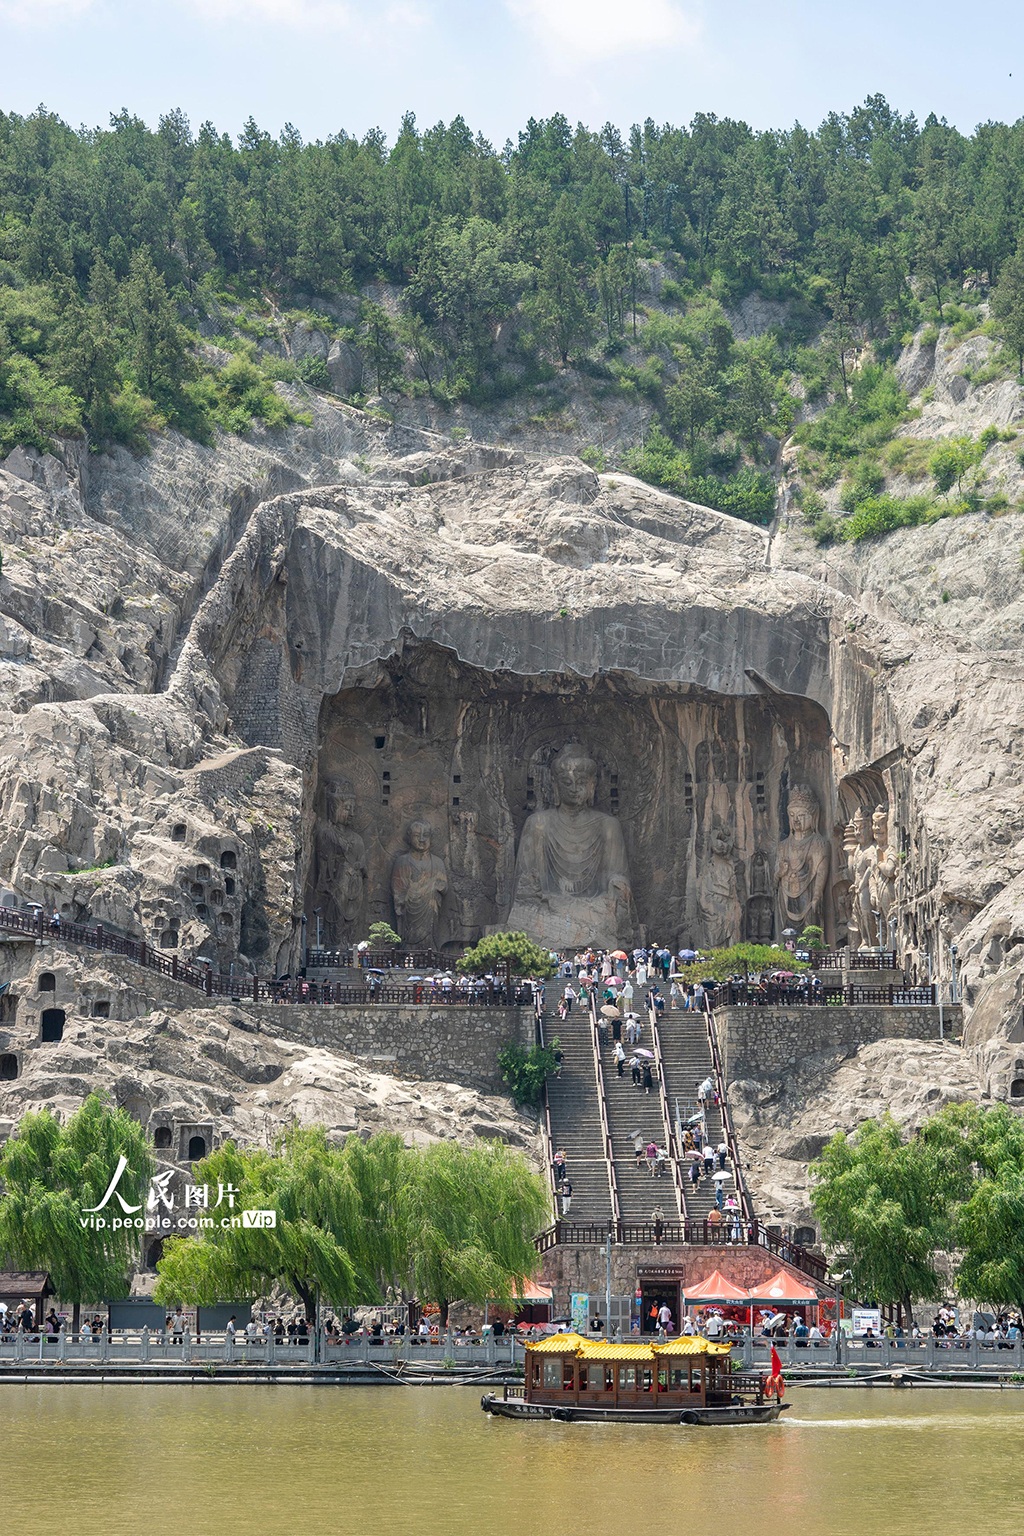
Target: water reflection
211,1460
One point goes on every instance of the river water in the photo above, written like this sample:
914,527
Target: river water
210,1460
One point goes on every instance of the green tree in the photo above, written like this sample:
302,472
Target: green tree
694,401
887,1205
51,1174
512,952
316,1243
377,334
383,936
741,959
988,1228
157,345
476,1212
1008,305
561,306
953,460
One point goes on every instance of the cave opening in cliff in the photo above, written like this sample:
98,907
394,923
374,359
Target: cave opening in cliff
434,767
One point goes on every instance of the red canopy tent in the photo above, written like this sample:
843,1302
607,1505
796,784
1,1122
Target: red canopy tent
716,1288
782,1287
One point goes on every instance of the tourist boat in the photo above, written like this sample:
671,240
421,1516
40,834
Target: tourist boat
596,1381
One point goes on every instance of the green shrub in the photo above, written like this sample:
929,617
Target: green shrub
525,1070
312,369
866,481
812,504
929,336
596,458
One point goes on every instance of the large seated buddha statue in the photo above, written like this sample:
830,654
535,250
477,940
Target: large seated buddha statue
572,875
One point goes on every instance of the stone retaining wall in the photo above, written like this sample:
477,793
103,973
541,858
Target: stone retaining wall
447,1044
569,1268
768,1042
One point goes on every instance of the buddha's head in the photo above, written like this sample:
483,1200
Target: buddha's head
575,776
417,835
880,825
803,810
341,802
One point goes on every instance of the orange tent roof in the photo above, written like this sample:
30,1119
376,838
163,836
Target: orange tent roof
530,1290
715,1288
782,1287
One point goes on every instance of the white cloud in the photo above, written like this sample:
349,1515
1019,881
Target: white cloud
590,31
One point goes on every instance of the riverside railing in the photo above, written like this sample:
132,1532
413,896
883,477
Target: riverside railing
146,1348
882,1354
746,1204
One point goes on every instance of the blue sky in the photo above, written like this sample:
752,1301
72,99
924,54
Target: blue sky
324,65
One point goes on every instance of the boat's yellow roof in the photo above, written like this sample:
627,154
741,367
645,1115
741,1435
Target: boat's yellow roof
604,1349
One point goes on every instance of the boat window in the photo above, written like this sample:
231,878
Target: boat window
568,1375
647,1379
609,1378
627,1378
595,1378
680,1379
663,1381
552,1373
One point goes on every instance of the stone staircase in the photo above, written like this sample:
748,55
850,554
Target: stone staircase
629,1110
686,1054
575,1114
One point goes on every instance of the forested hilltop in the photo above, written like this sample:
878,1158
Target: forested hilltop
146,276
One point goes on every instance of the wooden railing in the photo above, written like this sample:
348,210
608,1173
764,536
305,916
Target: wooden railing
244,988
595,1040
666,1112
703,1234
772,994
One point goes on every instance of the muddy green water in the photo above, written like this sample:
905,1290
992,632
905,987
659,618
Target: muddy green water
292,1461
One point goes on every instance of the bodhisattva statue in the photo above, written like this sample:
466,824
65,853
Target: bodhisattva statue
883,873
341,868
802,870
717,900
760,906
418,883
861,869
572,876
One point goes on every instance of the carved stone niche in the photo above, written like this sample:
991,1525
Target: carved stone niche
476,756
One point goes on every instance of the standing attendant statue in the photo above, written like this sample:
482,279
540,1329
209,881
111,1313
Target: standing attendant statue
418,883
717,897
802,870
341,862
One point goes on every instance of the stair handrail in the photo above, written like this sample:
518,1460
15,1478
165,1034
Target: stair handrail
548,1139
666,1115
746,1204
595,1040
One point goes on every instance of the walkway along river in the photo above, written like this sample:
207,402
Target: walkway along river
284,1461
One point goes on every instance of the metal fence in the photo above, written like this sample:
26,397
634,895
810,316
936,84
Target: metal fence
884,1354
781,995
731,1232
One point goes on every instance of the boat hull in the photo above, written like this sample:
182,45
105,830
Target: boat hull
735,1413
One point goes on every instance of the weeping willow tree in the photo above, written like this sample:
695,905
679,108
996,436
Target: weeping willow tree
477,1210
307,1184
51,1174
362,1222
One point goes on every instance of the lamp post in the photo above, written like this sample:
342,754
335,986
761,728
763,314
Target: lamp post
839,1281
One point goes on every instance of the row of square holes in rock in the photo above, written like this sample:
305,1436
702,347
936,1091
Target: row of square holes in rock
759,792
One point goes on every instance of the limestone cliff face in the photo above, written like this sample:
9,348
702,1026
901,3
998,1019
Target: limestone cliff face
191,643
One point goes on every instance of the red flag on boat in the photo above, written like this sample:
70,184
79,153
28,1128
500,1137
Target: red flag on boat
776,1362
